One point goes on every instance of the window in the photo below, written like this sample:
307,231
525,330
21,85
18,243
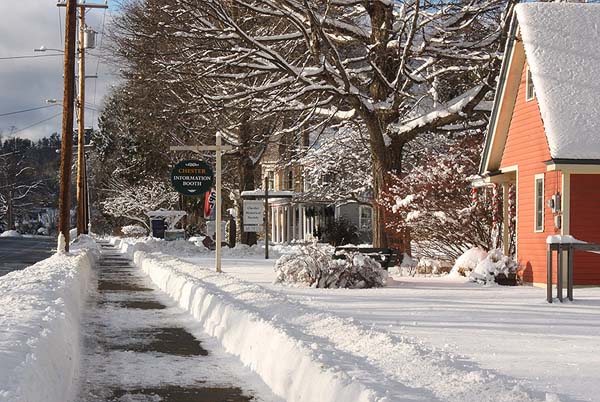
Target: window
290,180
539,203
365,221
271,176
529,90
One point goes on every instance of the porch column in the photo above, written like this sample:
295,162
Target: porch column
294,223
565,224
302,222
280,222
286,224
274,223
565,227
505,219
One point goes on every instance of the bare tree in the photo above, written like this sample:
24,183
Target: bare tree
17,180
133,201
401,68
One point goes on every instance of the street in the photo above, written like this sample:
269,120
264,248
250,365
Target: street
21,252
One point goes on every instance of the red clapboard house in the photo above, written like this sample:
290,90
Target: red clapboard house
544,135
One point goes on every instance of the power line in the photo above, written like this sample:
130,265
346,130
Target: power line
30,57
26,110
60,31
98,64
36,123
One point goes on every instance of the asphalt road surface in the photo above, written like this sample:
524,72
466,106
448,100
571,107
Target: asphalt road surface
21,252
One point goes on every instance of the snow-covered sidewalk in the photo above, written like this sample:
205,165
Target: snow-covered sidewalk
139,346
392,344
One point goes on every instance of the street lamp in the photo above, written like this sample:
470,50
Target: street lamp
44,49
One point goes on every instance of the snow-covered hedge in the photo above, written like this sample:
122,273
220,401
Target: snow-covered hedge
493,265
134,231
40,311
314,266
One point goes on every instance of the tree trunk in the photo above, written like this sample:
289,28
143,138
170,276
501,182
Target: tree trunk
386,159
246,171
9,211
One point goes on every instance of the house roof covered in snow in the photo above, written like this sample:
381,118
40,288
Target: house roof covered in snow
561,44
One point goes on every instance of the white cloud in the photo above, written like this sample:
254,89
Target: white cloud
27,83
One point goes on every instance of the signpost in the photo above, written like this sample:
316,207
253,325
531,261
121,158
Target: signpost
218,148
266,196
192,177
253,215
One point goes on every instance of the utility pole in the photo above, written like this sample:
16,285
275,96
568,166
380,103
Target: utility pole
66,148
64,201
81,199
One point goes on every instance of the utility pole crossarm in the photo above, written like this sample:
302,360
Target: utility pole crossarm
198,148
84,5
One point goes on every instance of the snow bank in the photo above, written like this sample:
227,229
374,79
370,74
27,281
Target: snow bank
305,354
10,233
40,311
257,340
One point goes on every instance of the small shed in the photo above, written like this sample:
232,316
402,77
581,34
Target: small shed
543,142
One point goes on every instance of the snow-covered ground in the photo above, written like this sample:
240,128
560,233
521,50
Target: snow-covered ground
419,339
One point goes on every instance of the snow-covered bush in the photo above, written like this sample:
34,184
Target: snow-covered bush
495,264
134,231
466,263
408,266
315,266
432,266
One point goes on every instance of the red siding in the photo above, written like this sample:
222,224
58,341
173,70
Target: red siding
585,225
527,148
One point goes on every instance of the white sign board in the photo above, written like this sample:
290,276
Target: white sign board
210,229
253,228
253,212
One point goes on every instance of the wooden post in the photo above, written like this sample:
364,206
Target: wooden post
549,275
559,273
66,155
267,217
505,219
81,128
570,272
218,206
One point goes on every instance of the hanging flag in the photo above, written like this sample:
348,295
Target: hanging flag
210,200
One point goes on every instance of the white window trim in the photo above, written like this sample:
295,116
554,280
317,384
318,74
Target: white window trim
528,82
360,209
537,177
269,173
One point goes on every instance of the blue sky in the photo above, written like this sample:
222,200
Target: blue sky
28,83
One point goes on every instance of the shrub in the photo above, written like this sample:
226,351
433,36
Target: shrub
341,232
467,262
494,265
314,266
134,231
